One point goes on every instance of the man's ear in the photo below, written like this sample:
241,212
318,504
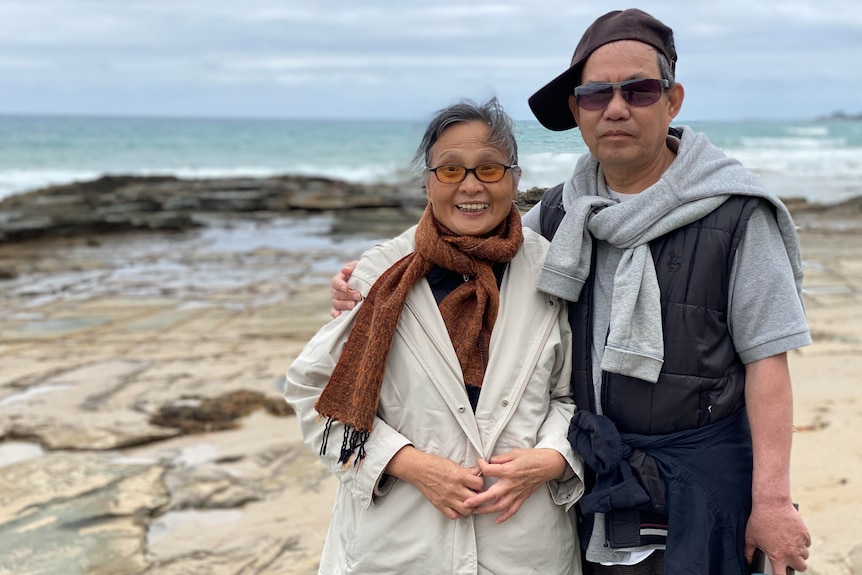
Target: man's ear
675,96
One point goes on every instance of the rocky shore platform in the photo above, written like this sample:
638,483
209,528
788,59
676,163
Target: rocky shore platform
145,327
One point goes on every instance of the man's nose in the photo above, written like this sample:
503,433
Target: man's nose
617,105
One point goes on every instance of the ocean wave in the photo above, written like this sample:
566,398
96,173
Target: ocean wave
545,169
827,163
810,131
796,143
18,181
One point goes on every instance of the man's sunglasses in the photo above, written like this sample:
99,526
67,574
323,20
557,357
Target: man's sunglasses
640,92
454,174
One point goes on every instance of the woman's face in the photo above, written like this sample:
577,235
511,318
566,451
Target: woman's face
470,207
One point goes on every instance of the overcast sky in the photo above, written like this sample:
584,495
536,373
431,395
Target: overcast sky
739,59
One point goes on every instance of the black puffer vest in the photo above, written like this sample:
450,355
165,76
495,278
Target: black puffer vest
702,378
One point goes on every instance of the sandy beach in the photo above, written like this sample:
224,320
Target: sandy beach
100,334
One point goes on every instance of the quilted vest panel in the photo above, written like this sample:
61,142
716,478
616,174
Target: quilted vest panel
702,379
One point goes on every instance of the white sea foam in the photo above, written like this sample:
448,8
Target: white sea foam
365,173
14,182
825,175
819,131
18,181
545,169
799,143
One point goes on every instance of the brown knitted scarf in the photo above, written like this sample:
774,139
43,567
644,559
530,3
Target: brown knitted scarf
469,312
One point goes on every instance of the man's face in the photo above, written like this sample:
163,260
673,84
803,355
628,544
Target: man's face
628,140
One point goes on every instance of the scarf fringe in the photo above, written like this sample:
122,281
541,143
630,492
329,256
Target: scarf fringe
352,444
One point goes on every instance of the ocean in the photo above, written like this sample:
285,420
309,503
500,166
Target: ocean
818,160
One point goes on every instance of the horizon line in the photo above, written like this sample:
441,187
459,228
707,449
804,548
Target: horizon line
836,115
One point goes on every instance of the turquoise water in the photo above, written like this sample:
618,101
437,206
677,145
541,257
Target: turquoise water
818,160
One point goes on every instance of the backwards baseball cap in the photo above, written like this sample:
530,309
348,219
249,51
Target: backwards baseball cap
550,105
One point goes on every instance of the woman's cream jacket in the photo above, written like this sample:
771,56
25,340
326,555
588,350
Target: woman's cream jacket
382,525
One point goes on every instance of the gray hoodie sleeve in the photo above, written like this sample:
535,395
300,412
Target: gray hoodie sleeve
767,316
532,219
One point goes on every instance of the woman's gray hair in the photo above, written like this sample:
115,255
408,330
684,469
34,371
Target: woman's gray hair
502,133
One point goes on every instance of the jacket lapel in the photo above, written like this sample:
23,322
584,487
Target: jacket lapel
519,335
433,349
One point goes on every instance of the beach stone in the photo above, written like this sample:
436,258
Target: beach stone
830,563
62,408
97,431
281,533
76,513
210,488
526,200
267,554
203,414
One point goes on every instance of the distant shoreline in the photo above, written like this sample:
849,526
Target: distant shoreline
842,116
419,120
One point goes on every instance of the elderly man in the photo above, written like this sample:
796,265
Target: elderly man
684,282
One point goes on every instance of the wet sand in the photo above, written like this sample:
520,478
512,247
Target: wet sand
97,333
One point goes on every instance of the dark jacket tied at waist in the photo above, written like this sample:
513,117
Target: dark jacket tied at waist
707,473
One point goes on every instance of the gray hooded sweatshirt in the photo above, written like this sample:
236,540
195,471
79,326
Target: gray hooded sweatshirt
699,180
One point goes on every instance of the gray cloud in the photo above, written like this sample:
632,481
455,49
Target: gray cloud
395,58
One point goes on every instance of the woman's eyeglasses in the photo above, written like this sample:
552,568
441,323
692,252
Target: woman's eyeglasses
640,92
454,174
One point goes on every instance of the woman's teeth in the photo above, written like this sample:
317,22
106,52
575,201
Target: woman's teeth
472,207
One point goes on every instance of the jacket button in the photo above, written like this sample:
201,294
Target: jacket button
461,409
505,402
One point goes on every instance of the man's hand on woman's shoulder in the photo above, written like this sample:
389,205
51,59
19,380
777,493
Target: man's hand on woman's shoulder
343,298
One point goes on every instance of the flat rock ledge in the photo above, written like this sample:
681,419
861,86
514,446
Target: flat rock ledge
132,203
171,486
114,204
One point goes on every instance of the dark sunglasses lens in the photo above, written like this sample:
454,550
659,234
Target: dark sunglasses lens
451,174
634,92
490,172
642,92
594,97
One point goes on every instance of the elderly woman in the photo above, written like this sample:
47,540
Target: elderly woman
441,402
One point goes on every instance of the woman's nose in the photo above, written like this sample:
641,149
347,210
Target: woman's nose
471,183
